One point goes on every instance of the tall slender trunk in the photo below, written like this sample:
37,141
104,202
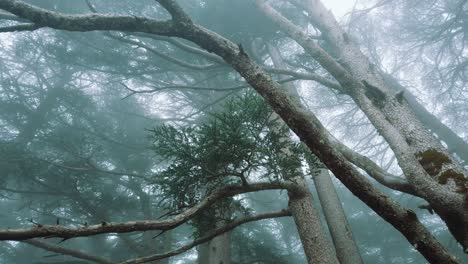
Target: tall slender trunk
455,144
219,250
150,244
429,168
202,251
345,246
215,251
315,243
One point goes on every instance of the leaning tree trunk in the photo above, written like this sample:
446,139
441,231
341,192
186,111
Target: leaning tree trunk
346,249
433,173
315,243
455,144
345,246
303,123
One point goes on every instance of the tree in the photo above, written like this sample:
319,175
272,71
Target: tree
431,172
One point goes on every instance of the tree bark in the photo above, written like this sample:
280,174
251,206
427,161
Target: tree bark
305,125
455,144
346,249
314,239
219,250
425,162
315,242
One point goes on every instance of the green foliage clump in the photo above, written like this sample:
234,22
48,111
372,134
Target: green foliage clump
236,145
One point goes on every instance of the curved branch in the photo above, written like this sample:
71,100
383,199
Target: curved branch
175,10
65,251
7,16
142,225
16,28
196,88
308,76
47,18
164,56
185,47
212,57
372,169
305,125
209,236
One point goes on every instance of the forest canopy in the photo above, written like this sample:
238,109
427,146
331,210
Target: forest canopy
247,131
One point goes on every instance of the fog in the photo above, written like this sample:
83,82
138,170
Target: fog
245,131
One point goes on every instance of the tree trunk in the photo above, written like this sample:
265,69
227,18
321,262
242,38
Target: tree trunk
315,243
429,168
216,251
455,144
203,253
346,249
306,126
219,250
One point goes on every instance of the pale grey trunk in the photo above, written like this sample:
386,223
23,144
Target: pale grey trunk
216,251
415,148
203,253
305,125
346,248
150,244
455,144
315,243
219,250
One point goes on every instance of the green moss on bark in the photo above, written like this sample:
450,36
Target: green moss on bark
433,160
458,178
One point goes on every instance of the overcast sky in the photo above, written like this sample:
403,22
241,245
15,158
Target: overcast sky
339,7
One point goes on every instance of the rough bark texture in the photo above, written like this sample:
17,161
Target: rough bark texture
208,237
455,144
132,226
416,149
306,126
314,240
203,253
346,250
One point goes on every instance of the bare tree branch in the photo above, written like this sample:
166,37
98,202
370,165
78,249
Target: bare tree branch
65,251
164,56
44,17
372,169
305,125
209,236
185,47
16,28
308,76
142,225
176,11
7,16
